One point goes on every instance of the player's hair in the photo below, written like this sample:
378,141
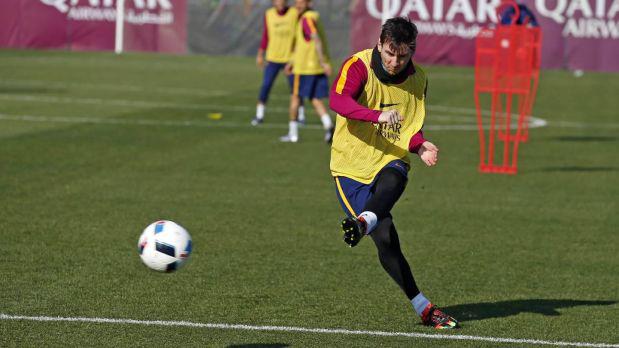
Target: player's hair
398,31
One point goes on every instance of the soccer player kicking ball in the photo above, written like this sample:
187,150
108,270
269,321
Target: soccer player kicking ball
379,96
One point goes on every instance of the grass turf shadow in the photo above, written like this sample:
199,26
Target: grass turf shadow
579,169
501,309
259,345
586,138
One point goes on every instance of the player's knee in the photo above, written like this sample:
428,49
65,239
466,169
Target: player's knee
382,236
294,101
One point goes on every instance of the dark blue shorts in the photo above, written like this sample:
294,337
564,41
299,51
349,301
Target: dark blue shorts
353,195
311,86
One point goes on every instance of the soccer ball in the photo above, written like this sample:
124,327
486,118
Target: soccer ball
164,246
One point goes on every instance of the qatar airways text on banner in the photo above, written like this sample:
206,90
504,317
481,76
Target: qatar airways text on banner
577,34
150,25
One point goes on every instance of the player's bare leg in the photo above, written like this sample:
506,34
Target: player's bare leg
293,126
327,124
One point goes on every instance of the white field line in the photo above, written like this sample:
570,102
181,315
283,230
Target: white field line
454,337
469,122
142,122
171,91
534,123
128,103
117,87
221,93
134,103
569,124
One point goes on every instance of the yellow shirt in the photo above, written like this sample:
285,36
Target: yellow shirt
361,149
305,57
281,31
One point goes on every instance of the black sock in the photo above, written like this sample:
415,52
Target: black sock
390,255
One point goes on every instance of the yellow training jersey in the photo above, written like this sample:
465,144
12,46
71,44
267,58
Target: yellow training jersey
305,57
361,149
281,31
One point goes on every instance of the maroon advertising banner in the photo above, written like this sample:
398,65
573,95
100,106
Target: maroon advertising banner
150,25
577,34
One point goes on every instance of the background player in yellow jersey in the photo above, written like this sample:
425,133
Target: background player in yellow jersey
310,66
277,42
379,96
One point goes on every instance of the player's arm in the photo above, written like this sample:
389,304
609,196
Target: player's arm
347,88
288,68
289,65
310,31
321,56
427,151
264,42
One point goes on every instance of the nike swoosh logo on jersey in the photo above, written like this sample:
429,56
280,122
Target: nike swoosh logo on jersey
386,105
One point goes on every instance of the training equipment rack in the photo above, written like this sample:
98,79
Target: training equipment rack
507,62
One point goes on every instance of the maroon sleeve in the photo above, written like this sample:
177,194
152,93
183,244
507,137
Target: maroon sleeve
415,143
308,28
265,35
345,90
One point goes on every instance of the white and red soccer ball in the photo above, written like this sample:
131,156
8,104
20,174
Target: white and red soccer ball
164,246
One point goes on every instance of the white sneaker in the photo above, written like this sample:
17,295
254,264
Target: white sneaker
288,139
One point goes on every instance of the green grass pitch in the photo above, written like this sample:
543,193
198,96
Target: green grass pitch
94,147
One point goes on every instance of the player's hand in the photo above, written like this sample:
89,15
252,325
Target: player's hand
260,61
428,153
390,117
288,69
327,68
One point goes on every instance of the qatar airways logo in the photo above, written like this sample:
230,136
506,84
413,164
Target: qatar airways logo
142,11
464,18
440,20
485,9
583,18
